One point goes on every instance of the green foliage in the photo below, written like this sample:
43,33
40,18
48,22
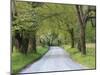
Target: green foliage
26,19
19,61
86,60
46,18
90,33
51,23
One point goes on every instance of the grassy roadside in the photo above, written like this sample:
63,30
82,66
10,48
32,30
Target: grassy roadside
86,60
19,61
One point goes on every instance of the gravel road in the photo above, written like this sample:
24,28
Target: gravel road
56,59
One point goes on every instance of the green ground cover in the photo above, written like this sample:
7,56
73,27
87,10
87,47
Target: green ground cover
86,60
19,61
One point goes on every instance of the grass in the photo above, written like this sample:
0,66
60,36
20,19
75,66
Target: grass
19,61
87,60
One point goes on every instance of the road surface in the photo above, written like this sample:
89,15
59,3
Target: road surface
56,59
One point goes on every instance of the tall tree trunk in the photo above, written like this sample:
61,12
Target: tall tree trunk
72,38
82,41
34,43
79,46
12,43
18,40
30,48
82,30
24,46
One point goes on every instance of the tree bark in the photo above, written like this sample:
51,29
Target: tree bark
24,46
82,30
72,38
34,43
71,32
82,41
18,40
79,46
12,40
30,48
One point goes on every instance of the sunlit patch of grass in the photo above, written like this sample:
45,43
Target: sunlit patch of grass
90,45
87,60
19,60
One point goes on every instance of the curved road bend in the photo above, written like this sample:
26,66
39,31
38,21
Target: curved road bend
56,59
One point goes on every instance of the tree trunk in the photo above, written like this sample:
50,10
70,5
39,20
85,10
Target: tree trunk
82,30
34,43
30,48
18,40
82,41
12,43
24,46
72,38
79,46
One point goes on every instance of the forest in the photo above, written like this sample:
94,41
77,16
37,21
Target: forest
36,26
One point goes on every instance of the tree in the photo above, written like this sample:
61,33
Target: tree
25,26
67,21
33,20
83,15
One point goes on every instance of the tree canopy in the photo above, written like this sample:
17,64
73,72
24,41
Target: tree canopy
36,23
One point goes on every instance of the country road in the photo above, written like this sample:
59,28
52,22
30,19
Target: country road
56,59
